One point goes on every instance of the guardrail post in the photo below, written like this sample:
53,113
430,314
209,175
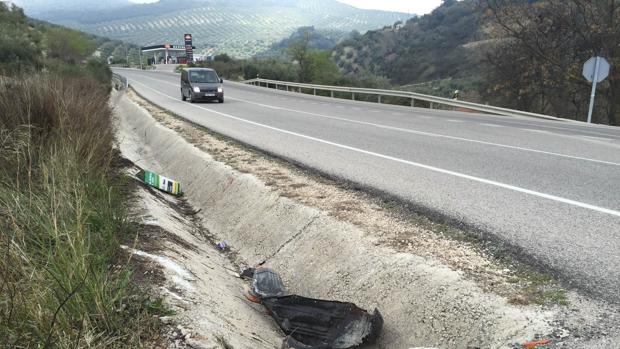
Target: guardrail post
379,99
432,104
332,93
314,91
286,88
353,95
413,102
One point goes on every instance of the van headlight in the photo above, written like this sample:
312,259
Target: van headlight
220,90
196,89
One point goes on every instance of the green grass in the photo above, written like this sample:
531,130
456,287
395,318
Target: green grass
63,283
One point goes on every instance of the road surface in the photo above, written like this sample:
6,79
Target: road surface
549,188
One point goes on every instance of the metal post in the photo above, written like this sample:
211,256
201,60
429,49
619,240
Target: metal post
413,102
594,81
314,91
140,54
353,95
286,88
379,99
332,93
432,104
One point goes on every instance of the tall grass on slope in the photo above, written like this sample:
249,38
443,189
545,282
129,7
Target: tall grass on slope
61,216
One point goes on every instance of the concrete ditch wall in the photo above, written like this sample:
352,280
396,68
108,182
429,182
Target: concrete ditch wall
424,303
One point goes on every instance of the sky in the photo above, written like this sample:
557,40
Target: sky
419,7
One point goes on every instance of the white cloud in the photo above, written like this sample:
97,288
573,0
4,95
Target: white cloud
419,7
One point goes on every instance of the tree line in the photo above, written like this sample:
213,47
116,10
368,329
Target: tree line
538,51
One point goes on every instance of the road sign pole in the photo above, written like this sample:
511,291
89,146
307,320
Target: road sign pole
593,94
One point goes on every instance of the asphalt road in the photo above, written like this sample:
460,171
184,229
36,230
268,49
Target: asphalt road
551,188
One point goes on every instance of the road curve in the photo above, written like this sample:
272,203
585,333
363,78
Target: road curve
550,188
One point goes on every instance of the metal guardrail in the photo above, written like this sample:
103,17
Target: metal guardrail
296,87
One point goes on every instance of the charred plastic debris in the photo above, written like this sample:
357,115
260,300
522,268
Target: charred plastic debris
312,323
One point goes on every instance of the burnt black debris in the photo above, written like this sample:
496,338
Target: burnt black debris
314,323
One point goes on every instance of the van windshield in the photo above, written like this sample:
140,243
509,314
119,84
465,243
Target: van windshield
203,76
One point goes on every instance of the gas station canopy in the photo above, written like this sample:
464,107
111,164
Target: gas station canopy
165,53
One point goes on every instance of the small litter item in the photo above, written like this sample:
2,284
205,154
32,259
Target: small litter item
223,245
320,324
247,273
535,344
312,323
160,182
267,283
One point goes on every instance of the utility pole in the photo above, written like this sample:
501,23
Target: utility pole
593,93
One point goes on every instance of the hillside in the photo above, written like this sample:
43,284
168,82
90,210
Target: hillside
318,40
434,46
240,28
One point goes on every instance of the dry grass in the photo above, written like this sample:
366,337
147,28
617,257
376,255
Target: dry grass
61,217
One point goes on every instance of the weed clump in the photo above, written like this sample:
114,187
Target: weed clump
61,219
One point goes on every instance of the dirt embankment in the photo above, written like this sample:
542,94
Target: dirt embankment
331,241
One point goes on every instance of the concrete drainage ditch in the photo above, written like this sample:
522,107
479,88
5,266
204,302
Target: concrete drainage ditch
423,302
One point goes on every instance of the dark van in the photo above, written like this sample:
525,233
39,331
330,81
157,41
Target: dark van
201,84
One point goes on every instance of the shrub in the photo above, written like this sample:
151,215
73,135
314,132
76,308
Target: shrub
61,219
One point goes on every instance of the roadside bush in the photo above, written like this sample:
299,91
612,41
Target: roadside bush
20,47
61,219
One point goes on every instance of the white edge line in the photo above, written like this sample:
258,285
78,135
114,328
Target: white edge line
407,162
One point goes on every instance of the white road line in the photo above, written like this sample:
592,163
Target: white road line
452,120
490,125
598,138
537,131
402,161
423,133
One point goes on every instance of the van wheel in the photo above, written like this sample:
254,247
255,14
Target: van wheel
221,100
183,96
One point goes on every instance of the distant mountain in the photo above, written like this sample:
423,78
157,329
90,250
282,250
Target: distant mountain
240,28
39,8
